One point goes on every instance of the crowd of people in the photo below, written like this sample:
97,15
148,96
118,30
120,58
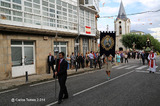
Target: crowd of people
89,59
93,59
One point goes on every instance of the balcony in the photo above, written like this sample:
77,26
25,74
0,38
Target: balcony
94,4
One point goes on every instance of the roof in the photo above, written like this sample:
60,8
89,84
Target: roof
122,14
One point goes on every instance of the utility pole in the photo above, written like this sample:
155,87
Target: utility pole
76,40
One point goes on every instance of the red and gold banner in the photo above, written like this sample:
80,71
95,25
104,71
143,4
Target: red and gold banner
88,30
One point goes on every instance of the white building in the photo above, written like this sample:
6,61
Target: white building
28,29
122,26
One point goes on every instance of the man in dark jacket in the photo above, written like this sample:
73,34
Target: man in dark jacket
97,60
143,57
78,59
61,72
51,62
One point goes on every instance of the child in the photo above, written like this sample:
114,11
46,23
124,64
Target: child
108,65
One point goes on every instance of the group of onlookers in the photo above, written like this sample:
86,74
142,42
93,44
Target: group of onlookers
89,59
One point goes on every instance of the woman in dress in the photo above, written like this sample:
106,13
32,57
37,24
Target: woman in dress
68,60
118,58
108,65
87,60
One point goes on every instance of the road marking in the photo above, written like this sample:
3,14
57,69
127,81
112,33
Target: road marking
123,67
8,90
102,83
156,67
41,83
52,103
141,67
131,67
115,66
146,72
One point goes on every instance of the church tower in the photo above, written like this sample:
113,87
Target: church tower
122,26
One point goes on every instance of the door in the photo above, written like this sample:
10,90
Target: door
23,58
61,46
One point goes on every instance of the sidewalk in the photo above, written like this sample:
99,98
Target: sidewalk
11,83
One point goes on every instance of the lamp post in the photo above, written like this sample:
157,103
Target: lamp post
56,51
76,39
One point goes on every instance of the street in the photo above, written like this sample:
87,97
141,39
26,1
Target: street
130,85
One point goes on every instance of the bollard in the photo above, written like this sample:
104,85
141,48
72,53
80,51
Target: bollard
26,76
76,67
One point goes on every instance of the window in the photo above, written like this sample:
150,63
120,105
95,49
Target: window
28,4
6,11
17,13
36,1
86,1
120,30
52,6
61,46
58,2
36,11
36,6
64,4
17,19
52,1
17,1
17,7
28,9
44,3
5,4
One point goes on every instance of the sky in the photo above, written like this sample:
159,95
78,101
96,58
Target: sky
148,22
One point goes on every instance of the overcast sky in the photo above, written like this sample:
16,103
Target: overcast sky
148,22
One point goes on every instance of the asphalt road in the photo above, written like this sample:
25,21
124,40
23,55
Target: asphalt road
130,85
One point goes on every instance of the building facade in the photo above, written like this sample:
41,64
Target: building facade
28,29
122,26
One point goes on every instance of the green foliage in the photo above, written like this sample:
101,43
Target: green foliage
140,40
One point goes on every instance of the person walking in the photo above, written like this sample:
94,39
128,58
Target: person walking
126,57
121,57
91,57
61,72
98,60
129,55
68,60
152,62
73,58
108,66
143,57
51,62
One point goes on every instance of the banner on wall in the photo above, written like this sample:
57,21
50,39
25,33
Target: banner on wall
88,30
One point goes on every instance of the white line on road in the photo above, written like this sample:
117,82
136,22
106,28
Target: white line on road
102,83
156,67
141,67
52,103
8,90
123,67
131,67
146,72
115,66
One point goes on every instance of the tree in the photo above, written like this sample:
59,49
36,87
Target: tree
140,40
